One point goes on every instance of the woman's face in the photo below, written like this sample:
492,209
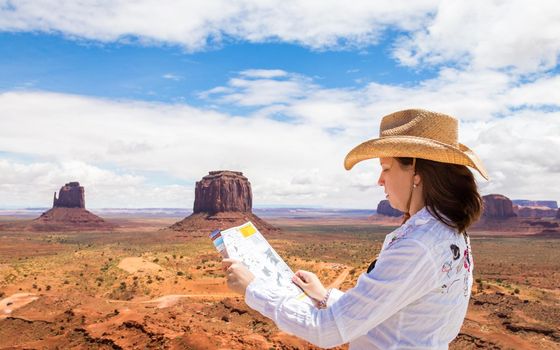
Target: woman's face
397,181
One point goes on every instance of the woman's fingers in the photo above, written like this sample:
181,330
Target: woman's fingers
226,263
305,276
297,280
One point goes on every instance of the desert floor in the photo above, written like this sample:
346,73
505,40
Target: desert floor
141,287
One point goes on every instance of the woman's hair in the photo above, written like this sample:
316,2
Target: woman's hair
449,192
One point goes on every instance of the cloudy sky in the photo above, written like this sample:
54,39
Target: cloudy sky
139,99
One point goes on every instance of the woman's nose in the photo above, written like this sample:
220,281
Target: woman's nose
380,181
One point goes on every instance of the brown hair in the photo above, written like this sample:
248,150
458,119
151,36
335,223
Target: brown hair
450,192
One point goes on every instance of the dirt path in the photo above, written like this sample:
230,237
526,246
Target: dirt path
338,281
15,301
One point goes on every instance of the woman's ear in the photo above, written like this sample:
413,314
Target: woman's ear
417,179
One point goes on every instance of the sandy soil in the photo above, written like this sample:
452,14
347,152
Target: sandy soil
132,265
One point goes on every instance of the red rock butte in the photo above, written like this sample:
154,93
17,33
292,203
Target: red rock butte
385,208
499,215
497,206
223,199
69,212
71,195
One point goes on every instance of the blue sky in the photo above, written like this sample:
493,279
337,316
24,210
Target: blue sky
138,101
169,73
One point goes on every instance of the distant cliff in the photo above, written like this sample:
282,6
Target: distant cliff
497,206
528,203
385,208
535,212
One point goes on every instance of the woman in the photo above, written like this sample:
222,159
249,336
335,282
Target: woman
417,294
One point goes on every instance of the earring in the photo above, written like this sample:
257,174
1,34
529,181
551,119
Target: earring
414,185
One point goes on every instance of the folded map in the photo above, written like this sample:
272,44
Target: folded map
246,244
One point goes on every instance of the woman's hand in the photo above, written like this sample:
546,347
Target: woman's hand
309,282
238,275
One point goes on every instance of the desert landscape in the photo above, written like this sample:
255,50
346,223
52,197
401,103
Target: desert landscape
139,281
142,287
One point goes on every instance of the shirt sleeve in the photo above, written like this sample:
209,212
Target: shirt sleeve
404,273
294,316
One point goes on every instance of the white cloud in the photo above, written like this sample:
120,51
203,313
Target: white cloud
171,76
541,92
477,34
487,34
33,185
195,25
179,141
299,161
263,73
261,88
498,113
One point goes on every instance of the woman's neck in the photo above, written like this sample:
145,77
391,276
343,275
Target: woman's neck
417,202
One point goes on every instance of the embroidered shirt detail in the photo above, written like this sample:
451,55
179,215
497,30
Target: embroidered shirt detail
401,233
466,260
446,267
456,251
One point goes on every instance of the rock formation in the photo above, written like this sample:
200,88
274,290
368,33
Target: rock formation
69,213
558,214
223,191
385,208
223,199
528,203
497,206
499,215
535,212
70,195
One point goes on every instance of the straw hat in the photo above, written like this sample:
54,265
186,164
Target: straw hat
417,133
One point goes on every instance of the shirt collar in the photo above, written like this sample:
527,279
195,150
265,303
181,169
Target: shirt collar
421,217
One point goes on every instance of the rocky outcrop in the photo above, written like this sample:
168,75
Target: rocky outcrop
223,191
558,214
223,199
70,195
536,212
65,219
497,206
500,216
385,208
528,203
69,213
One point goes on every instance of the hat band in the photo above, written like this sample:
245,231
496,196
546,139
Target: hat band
422,138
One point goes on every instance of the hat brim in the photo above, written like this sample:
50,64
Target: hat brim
414,147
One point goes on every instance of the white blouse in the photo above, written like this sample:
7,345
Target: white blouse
416,297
